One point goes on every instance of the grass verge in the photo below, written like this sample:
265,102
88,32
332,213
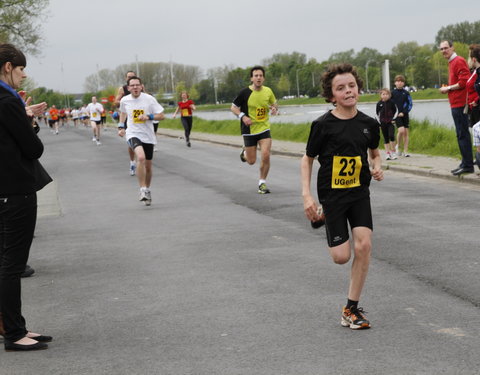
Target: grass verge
425,137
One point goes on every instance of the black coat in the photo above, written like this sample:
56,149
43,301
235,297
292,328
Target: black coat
20,148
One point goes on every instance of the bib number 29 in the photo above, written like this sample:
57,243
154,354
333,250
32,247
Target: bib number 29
346,172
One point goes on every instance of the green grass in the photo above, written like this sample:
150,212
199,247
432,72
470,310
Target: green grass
425,138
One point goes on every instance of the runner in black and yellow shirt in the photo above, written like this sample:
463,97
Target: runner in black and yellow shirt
344,139
252,106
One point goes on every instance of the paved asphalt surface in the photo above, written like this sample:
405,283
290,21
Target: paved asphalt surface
214,278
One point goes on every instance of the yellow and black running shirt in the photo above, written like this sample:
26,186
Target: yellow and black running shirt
256,105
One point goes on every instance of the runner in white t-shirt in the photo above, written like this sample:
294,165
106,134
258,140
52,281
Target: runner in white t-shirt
140,110
95,110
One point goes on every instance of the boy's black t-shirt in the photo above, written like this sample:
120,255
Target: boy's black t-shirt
341,147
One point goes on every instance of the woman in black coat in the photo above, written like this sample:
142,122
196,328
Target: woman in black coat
21,176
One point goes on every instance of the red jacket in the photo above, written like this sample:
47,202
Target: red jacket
458,72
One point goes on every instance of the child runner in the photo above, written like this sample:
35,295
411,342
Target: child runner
403,101
344,139
386,113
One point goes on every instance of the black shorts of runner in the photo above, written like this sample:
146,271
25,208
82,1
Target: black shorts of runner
402,121
252,140
358,213
147,147
97,122
51,122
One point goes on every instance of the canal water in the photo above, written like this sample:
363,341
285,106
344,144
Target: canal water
436,111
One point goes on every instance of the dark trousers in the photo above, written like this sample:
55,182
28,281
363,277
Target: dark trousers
187,122
463,137
18,215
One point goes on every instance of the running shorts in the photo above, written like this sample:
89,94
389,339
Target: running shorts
252,140
147,147
358,213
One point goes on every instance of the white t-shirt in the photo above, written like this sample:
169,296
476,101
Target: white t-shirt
134,107
95,111
75,113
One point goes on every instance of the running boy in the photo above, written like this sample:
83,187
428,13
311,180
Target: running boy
344,139
386,113
403,101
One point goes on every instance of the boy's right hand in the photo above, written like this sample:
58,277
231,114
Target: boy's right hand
310,207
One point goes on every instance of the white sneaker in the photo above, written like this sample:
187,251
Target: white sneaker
148,196
389,157
94,139
143,195
133,168
406,154
394,156
99,143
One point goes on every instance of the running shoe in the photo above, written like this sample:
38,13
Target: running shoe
242,156
133,168
354,318
99,143
94,139
143,195
148,196
189,144
394,156
389,157
406,154
262,189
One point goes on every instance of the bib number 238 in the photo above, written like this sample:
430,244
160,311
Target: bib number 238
346,172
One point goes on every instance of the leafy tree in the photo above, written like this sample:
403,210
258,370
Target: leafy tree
283,86
19,23
463,32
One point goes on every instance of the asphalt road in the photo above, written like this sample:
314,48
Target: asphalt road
216,279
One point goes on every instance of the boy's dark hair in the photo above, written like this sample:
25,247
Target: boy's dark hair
257,67
9,53
400,78
135,77
475,51
334,70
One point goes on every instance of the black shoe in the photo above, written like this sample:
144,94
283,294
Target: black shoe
29,271
460,171
189,144
42,338
456,169
12,347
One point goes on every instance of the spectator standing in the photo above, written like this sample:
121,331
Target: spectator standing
458,74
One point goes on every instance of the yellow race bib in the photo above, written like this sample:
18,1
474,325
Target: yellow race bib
94,114
136,114
346,172
261,113
185,112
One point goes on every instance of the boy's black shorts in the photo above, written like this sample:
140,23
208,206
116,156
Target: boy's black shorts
358,213
403,121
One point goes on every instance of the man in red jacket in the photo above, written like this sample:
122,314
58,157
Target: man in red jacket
458,74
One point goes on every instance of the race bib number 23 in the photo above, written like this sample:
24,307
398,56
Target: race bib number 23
346,172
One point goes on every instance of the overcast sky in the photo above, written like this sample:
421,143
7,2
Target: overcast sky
85,34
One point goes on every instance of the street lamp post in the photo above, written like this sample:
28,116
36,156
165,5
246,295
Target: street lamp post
298,87
405,62
366,72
